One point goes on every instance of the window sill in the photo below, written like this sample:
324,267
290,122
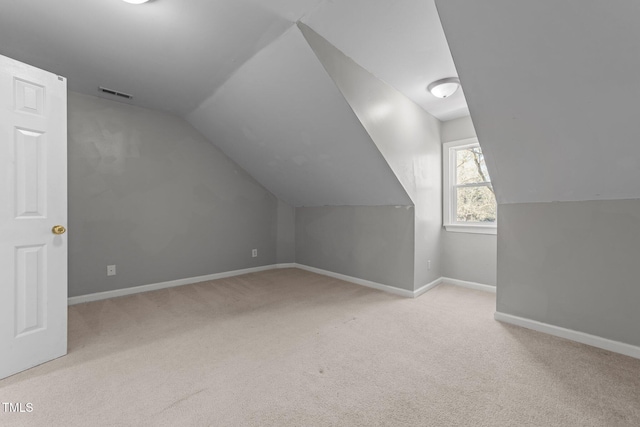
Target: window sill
475,229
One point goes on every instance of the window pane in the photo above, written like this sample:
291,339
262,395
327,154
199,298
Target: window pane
476,204
470,166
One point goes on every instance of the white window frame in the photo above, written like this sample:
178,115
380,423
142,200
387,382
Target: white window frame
449,200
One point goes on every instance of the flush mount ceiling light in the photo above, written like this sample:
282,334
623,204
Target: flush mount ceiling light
136,1
444,88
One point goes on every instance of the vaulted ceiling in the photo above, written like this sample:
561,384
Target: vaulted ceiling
242,73
282,118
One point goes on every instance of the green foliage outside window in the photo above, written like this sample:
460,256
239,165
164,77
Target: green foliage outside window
475,200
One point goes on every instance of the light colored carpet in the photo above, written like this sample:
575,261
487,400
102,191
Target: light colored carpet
292,348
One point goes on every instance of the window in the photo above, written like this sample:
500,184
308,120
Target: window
469,203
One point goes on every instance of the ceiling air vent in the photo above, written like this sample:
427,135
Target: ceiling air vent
116,93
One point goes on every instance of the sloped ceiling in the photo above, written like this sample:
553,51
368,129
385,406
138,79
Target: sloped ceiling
401,130
170,55
282,118
401,42
553,90
240,71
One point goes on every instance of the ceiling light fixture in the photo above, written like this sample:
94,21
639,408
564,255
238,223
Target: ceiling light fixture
136,1
444,88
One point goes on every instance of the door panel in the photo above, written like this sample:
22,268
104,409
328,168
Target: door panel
31,189
33,199
30,286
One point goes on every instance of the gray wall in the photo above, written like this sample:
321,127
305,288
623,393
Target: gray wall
470,257
467,256
368,242
148,193
408,138
572,264
286,234
457,129
563,156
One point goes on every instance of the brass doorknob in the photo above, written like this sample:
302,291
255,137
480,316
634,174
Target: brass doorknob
58,229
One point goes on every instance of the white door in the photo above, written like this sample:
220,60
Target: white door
33,201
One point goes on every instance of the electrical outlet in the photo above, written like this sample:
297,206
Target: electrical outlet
429,265
254,253
111,270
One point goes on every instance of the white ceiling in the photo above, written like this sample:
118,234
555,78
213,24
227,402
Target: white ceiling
401,42
242,73
173,54
281,117
169,54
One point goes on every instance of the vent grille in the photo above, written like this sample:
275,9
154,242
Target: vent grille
116,93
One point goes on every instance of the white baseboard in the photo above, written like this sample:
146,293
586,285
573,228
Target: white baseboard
581,337
427,287
470,285
163,285
188,281
287,265
362,282
191,280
